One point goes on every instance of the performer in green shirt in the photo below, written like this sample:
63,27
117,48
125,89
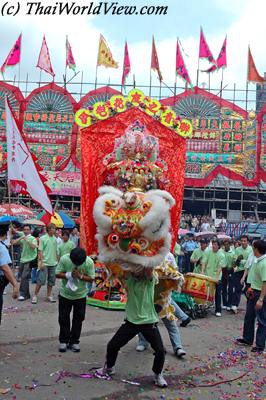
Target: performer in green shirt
212,265
227,272
197,256
141,317
256,304
75,270
66,246
241,255
28,254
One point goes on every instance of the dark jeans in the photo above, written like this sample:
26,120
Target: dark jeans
230,288
67,335
188,266
249,323
24,288
3,284
237,287
225,282
218,297
126,332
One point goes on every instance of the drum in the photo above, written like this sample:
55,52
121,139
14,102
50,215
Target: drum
200,287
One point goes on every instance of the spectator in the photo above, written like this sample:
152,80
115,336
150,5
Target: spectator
74,237
188,247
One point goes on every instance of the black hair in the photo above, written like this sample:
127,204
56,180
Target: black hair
4,229
26,225
78,256
260,245
203,241
65,233
216,241
244,237
36,232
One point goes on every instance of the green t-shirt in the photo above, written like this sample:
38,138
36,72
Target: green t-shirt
197,255
177,249
65,248
257,273
214,263
140,301
229,258
48,247
28,254
245,253
66,265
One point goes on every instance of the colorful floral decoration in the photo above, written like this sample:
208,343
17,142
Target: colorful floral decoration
136,98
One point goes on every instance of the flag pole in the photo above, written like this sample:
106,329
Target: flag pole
96,75
209,80
197,83
150,84
10,213
247,95
40,78
221,91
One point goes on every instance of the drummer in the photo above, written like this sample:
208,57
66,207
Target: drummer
212,265
197,255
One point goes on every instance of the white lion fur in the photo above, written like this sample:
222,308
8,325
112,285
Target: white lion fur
103,222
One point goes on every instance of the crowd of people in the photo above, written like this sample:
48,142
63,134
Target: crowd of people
54,254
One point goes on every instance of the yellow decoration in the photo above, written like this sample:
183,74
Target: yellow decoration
136,96
152,106
105,56
118,103
83,117
185,128
168,117
101,110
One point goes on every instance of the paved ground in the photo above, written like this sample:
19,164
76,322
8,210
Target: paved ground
30,364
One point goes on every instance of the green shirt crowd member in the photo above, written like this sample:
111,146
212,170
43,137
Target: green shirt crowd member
28,244
48,249
214,261
241,254
197,256
80,274
140,301
229,255
66,246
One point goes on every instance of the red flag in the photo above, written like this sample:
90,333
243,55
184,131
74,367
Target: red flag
13,57
180,68
154,60
23,171
204,50
253,75
221,59
70,62
126,66
44,61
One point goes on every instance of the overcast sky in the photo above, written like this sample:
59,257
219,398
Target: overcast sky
243,21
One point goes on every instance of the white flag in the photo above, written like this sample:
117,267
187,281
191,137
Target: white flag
21,168
44,61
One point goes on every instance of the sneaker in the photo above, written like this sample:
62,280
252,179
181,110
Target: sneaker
21,298
141,347
234,309
4,292
106,371
185,323
257,350
224,308
218,314
62,347
75,347
160,381
51,299
243,342
34,300
228,308
180,353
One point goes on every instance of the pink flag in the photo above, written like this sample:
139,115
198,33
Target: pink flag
13,57
70,62
204,50
44,61
126,66
221,60
23,172
155,61
180,68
